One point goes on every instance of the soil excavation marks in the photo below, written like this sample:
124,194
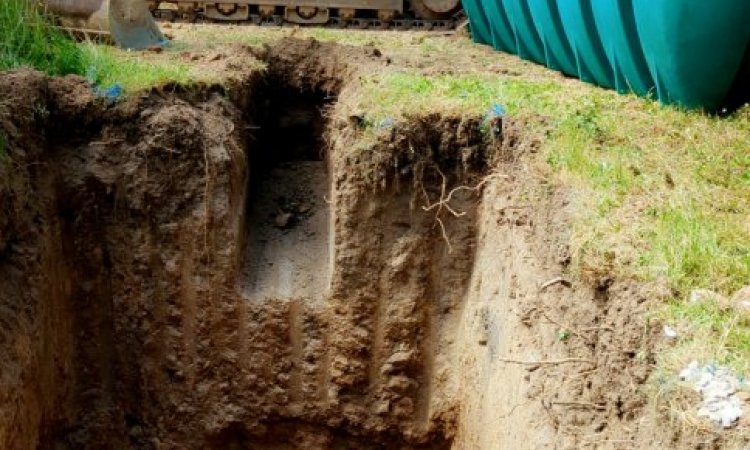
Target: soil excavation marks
201,304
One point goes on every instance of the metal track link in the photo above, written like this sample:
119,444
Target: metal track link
168,15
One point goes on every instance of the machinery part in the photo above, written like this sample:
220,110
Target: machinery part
266,11
435,9
129,22
386,15
227,11
399,14
307,15
132,26
347,14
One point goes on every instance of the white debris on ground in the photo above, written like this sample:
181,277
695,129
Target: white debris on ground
718,387
669,332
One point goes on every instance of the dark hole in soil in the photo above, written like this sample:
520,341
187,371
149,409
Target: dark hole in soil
287,227
291,124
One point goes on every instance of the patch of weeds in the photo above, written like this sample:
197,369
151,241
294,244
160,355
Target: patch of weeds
107,66
408,93
28,39
693,249
707,332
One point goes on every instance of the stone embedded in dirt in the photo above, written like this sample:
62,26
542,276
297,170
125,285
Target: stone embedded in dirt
303,209
283,220
400,384
382,407
669,332
400,359
404,407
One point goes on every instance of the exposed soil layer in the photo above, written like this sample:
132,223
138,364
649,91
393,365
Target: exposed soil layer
188,272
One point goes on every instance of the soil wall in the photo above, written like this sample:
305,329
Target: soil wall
178,273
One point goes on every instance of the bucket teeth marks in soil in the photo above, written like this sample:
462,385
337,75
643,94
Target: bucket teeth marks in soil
402,320
275,291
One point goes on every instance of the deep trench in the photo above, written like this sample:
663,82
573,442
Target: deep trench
163,340
288,234
187,272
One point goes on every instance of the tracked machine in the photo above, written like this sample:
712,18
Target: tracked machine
397,14
129,23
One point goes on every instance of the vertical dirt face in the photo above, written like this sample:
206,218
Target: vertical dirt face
223,278
187,272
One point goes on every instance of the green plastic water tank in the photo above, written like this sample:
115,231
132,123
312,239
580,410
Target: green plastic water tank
694,53
694,48
740,92
557,52
502,34
578,22
615,22
528,42
480,26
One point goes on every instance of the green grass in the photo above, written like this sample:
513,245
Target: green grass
402,93
107,66
707,332
676,204
696,246
26,39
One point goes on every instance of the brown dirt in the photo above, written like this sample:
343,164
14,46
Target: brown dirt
188,272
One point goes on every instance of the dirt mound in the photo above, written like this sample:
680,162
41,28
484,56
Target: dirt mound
183,271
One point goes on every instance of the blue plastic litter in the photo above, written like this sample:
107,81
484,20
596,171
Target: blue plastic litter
496,110
110,94
494,119
113,92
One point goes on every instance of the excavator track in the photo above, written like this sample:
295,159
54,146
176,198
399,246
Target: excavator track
347,19
359,23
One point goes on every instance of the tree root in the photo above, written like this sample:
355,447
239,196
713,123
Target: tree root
443,203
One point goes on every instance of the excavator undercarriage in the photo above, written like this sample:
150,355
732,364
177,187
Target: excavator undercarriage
395,14
130,23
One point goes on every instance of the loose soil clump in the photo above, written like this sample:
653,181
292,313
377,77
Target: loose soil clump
183,270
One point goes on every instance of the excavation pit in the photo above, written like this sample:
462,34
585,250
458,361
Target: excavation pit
194,272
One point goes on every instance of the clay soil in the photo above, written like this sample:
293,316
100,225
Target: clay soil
191,270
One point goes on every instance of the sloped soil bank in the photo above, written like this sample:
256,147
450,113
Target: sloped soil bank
186,271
